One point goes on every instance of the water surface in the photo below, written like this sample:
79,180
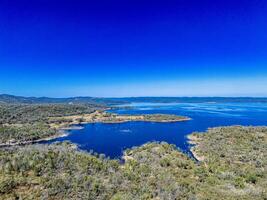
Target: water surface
112,139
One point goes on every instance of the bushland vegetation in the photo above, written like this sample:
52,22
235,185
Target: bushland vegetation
234,167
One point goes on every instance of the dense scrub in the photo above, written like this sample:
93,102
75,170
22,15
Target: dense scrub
31,113
234,168
236,159
29,122
59,172
25,132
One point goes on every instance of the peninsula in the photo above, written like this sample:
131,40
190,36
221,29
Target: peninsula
99,116
22,124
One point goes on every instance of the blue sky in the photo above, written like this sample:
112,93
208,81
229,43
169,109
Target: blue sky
133,48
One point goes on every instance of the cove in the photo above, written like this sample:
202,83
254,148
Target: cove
112,139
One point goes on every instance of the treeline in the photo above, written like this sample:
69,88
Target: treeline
234,168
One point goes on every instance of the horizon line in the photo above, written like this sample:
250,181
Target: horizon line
2,94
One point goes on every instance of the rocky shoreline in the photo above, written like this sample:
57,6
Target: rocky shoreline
194,141
62,133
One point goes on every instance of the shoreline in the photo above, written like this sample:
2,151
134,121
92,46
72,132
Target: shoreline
96,117
105,117
10,144
194,141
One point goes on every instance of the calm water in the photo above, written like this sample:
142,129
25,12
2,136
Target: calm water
112,139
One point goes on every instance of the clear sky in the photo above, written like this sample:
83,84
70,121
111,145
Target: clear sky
112,48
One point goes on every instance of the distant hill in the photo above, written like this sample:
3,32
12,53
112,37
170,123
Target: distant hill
6,98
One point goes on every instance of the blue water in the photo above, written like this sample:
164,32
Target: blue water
112,139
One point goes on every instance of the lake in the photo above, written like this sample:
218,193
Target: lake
112,139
